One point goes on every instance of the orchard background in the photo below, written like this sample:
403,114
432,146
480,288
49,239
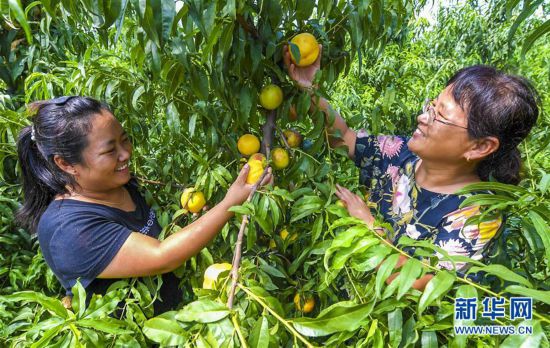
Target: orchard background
184,79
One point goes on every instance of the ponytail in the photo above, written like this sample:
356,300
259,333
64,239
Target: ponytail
40,184
60,127
503,166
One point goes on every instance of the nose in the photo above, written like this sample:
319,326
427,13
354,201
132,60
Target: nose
423,118
124,154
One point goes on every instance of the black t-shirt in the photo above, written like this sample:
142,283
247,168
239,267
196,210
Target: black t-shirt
79,240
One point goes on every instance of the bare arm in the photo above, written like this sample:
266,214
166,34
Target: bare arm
348,135
142,255
303,76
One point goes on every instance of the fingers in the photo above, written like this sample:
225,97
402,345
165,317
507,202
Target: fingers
292,72
286,56
268,178
317,62
243,174
343,193
347,196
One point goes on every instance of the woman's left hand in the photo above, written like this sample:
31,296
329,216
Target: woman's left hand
355,204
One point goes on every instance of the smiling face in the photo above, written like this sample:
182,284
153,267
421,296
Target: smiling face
438,141
106,158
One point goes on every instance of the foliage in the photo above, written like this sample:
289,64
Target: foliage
184,79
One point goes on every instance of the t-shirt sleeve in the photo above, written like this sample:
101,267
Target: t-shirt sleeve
459,235
84,245
376,155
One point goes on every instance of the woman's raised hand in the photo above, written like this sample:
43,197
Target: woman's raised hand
238,191
355,204
303,76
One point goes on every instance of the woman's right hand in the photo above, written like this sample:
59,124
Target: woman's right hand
239,191
303,76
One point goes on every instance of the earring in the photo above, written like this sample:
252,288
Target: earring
467,158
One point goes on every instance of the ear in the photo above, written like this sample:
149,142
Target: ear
482,148
64,165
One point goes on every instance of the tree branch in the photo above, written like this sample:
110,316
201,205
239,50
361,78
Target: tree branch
248,27
235,265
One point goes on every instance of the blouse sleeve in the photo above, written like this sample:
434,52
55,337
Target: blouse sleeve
85,245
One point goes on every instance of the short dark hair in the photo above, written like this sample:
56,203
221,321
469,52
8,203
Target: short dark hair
499,105
59,127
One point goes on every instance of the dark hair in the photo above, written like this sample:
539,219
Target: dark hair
499,105
59,127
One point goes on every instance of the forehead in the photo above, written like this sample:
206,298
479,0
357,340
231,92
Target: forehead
448,107
104,127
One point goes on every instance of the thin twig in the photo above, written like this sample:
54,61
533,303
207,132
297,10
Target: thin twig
273,313
238,246
238,329
283,138
154,182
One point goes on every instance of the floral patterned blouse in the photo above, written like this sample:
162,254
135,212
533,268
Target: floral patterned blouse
387,168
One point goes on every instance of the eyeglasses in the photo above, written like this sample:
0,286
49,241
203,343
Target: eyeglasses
429,107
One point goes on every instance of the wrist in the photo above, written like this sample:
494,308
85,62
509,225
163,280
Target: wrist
227,203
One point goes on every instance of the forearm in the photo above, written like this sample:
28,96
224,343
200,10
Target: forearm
338,127
188,241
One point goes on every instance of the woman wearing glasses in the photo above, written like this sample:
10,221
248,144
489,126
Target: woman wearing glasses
92,223
469,133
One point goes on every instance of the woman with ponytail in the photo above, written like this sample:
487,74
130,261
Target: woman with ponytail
92,223
469,133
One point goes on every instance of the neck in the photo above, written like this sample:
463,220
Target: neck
113,195
445,178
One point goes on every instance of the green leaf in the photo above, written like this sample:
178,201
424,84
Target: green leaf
341,316
111,10
295,50
503,273
395,326
539,295
78,301
463,291
47,336
165,332
242,209
305,207
385,270
317,228
487,199
543,231
260,334
272,270
245,102
410,271
168,11
49,303
358,248
107,325
203,311
17,9
528,9
105,305
429,339
135,97
436,287
304,8
536,339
